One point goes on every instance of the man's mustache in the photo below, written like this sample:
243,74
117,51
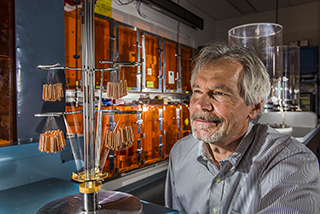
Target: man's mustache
206,117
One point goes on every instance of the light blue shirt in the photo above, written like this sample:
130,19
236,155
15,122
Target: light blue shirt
269,172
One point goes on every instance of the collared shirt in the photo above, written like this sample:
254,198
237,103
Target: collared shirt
269,172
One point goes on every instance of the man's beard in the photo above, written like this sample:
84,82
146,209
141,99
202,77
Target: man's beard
209,137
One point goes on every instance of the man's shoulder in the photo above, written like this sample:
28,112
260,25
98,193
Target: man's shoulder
268,134
184,146
186,142
279,144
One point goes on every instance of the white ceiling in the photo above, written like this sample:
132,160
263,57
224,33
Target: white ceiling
225,9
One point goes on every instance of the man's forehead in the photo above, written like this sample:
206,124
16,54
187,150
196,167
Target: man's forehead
213,87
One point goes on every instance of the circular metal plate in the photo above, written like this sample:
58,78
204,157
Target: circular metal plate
110,202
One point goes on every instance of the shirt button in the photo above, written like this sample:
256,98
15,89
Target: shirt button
215,210
232,170
218,180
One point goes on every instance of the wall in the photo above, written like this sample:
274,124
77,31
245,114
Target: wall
299,22
155,22
39,36
39,27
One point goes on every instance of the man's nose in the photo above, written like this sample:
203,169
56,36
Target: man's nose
204,103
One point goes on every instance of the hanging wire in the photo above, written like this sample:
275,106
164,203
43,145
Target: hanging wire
75,145
116,126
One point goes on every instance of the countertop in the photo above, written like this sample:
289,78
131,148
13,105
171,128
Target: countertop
28,199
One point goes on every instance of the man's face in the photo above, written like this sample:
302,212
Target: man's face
218,113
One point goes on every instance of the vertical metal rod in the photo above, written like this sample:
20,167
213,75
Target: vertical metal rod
90,202
138,76
87,42
112,52
99,125
116,73
143,61
84,87
91,68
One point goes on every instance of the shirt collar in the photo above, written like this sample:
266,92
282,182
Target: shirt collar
246,141
236,157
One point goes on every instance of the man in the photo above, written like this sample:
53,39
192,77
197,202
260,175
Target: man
231,165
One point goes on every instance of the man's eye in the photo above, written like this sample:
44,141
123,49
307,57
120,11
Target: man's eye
220,93
196,91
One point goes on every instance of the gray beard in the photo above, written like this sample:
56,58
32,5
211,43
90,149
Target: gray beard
210,138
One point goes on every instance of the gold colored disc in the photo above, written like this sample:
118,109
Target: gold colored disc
90,187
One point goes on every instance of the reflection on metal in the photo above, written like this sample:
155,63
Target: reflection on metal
113,112
55,114
104,112
58,67
98,176
122,63
109,202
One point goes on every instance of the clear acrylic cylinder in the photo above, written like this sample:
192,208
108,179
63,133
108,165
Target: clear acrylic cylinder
265,38
291,78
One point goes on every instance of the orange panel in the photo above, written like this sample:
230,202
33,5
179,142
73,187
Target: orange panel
5,72
75,121
102,49
152,61
170,118
127,159
171,65
128,52
186,57
185,120
151,151
4,101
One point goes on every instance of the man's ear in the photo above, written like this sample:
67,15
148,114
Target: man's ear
254,111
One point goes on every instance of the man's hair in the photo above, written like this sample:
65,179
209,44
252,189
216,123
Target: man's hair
254,84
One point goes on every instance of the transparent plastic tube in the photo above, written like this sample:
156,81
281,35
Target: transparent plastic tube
266,39
291,78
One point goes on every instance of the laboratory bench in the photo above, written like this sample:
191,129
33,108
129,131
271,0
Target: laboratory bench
29,198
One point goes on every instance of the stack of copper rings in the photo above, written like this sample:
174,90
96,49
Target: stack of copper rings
52,141
117,90
52,92
122,139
